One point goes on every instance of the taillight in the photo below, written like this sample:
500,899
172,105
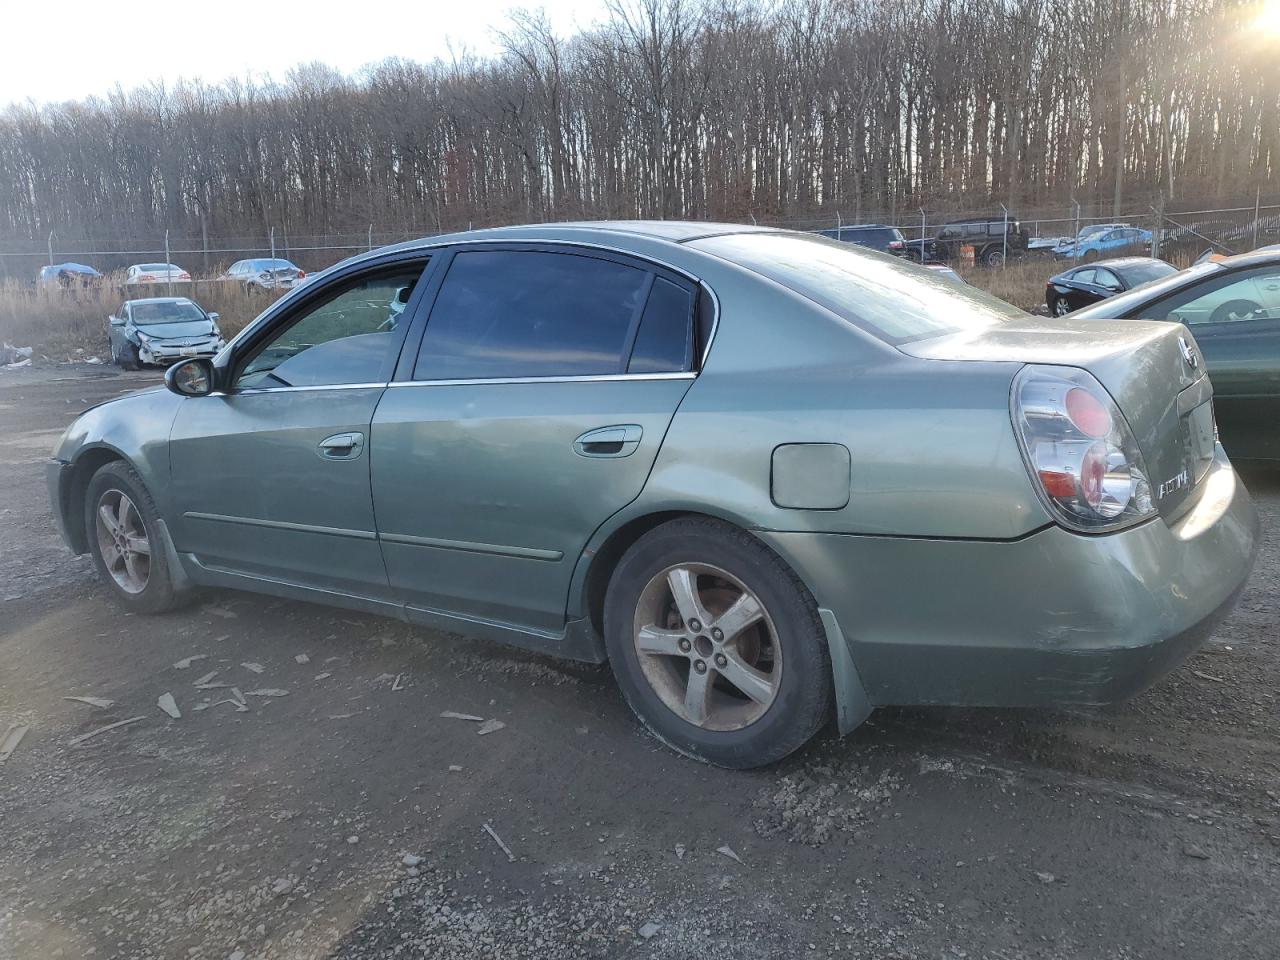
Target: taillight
302,274
1079,450
146,278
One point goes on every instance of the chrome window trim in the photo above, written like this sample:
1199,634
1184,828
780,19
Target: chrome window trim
593,378
301,389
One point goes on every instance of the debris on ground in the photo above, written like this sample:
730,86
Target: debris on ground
253,667
282,886
221,612
268,692
385,678
206,679
727,851
511,857
323,676
454,768
12,737
110,726
650,930
451,715
1207,676
1045,877
353,839
301,658
11,356
169,705
680,850
411,859
398,683
341,716
99,702
188,661
490,726
1191,850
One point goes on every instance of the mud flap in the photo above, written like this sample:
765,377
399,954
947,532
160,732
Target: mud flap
177,572
852,703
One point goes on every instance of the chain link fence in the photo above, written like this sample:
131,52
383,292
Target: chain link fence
1179,236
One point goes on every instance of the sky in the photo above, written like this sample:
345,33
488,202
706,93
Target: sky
78,48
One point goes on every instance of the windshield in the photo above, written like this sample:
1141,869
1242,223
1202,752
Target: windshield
168,311
893,300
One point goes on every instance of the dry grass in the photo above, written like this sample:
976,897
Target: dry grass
1021,284
62,323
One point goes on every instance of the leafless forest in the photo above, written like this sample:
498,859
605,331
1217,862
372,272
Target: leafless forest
678,108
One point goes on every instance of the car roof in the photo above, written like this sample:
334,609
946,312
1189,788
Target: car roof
161,300
1264,256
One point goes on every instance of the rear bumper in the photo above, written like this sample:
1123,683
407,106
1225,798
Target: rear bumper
1052,618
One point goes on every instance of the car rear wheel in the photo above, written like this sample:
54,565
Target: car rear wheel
121,520
1234,310
993,257
1090,256
1060,307
717,645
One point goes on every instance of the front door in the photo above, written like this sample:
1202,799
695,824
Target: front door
1236,321
271,477
531,412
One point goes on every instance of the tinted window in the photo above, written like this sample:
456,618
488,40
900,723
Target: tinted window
528,314
893,300
1137,273
1084,276
347,338
1236,297
1105,278
662,344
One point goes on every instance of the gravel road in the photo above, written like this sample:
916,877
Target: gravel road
348,818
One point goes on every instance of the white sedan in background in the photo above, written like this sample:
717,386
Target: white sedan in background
156,273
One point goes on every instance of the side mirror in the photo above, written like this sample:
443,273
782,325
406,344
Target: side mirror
114,320
190,378
215,317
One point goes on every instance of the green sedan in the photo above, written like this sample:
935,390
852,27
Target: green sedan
1233,308
771,479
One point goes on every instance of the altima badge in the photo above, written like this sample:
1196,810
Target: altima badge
1188,354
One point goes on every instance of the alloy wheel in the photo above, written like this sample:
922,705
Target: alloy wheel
123,542
1061,308
707,647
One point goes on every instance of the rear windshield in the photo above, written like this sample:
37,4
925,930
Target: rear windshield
172,312
896,301
1140,273
272,265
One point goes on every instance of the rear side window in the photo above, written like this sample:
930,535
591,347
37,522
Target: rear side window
506,313
664,339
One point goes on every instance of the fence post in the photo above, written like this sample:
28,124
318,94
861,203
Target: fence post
51,248
1257,202
1004,239
204,240
923,223
273,243
371,236
1157,233
168,262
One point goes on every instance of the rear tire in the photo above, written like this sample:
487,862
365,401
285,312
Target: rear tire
715,689
1090,256
120,520
1060,307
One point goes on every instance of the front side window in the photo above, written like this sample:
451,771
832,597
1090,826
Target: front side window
1247,295
350,337
1106,279
508,313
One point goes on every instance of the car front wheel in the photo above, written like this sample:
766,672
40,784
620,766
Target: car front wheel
717,645
121,520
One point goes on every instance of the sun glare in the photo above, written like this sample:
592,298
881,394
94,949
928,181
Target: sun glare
1268,18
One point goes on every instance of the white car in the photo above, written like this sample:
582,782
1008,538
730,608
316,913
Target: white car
156,273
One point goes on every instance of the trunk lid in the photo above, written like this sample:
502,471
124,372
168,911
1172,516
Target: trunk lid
1153,370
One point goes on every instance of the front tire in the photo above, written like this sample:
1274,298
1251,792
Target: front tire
1235,310
121,521
717,645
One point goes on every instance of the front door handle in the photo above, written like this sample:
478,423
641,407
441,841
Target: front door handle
342,446
620,440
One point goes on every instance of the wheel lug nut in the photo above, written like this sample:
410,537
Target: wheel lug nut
699,666
685,646
721,660
717,634
695,626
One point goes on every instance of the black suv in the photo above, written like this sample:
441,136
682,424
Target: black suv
877,236
985,234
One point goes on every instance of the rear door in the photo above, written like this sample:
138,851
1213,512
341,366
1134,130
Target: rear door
271,477
530,411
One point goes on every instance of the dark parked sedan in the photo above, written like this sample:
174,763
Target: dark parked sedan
876,236
1081,286
1233,308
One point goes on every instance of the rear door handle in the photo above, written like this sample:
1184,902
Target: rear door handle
620,440
342,446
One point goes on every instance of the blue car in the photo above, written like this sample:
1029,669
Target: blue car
1103,240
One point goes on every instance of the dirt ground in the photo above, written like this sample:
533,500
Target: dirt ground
349,819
